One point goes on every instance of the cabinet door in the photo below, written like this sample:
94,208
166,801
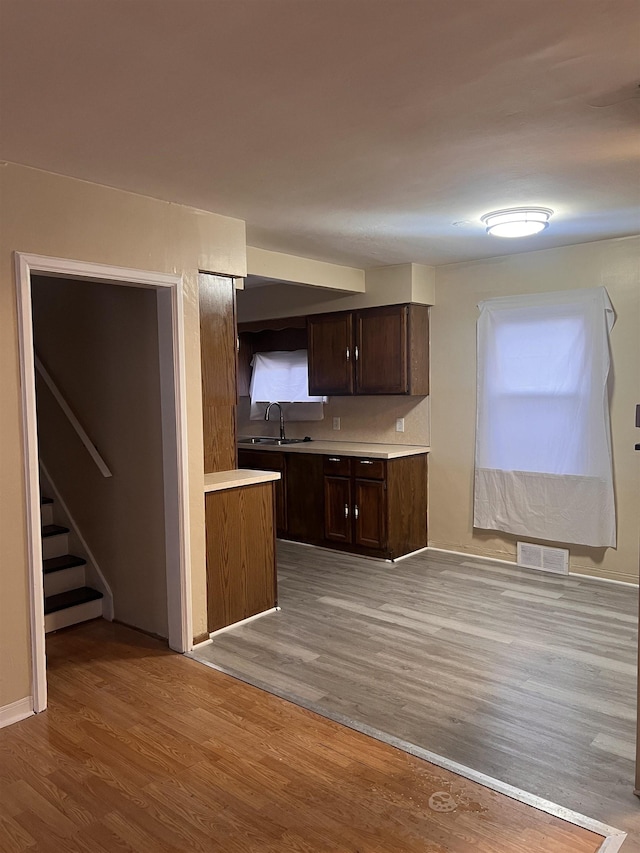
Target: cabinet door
407,504
381,339
337,509
305,497
266,460
369,514
330,341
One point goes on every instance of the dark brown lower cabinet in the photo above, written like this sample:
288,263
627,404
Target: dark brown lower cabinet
376,506
241,563
338,523
304,498
368,506
369,514
355,511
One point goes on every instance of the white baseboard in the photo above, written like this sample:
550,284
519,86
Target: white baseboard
515,565
214,634
469,556
16,711
237,624
604,580
410,554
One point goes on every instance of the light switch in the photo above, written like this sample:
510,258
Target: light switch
336,423
399,424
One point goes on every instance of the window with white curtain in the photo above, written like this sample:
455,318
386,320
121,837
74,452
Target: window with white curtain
543,447
283,377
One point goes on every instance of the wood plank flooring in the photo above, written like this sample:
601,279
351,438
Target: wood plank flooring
527,677
146,751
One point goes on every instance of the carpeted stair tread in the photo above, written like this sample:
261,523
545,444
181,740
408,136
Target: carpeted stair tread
53,530
67,561
71,598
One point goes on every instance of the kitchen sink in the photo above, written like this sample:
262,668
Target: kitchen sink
268,440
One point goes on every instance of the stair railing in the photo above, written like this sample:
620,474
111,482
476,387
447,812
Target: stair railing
73,420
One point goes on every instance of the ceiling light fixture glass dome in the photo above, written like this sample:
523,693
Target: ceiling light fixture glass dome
517,221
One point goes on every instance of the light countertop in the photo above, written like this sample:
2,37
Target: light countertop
237,477
344,448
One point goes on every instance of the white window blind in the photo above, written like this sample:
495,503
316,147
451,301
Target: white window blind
543,446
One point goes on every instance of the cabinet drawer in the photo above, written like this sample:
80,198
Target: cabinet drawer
261,460
369,469
338,465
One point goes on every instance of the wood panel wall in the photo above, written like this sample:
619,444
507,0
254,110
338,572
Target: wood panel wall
241,568
219,371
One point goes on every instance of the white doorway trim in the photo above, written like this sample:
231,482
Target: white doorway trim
174,433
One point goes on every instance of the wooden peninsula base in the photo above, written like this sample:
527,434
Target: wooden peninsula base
241,559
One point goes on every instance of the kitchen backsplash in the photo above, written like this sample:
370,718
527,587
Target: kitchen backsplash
370,419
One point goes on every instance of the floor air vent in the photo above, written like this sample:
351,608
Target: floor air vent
542,558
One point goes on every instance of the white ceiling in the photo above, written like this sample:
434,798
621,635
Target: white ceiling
353,131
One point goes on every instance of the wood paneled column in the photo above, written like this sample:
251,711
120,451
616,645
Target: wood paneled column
219,367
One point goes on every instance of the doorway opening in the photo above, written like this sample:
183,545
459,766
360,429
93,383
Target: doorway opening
168,289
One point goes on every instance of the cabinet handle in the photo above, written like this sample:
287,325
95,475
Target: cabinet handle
348,353
365,462
356,353
334,459
356,512
346,510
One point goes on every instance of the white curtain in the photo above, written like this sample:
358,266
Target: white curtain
283,377
543,443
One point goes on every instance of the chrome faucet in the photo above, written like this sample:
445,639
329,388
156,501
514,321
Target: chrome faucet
266,417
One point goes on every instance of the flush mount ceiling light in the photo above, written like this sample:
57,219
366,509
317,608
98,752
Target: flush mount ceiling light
517,221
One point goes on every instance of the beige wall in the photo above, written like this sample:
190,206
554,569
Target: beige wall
370,419
459,288
52,215
391,285
100,344
292,268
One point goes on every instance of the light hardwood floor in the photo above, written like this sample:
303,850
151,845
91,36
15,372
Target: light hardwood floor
143,750
527,677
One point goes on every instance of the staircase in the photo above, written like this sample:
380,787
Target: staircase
67,598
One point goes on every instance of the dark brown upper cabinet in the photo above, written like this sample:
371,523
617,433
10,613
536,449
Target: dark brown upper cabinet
331,353
382,356
373,351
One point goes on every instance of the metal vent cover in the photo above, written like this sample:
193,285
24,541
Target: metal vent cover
543,558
